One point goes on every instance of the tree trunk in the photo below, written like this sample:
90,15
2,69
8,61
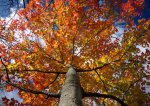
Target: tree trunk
71,93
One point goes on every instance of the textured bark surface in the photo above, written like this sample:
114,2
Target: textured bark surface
71,94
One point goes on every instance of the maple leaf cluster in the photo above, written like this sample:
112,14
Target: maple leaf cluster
46,37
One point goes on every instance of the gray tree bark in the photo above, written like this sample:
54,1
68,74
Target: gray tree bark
71,93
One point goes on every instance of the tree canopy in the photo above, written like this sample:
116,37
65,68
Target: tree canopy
46,37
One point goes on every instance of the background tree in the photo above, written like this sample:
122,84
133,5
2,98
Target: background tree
47,39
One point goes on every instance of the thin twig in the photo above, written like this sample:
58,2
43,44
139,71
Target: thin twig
101,80
132,84
106,64
52,81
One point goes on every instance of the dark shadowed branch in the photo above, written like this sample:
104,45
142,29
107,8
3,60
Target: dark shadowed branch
40,71
54,95
90,94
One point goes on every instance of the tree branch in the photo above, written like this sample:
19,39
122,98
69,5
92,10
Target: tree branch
47,55
106,64
132,84
34,91
101,81
52,81
100,31
40,71
88,70
90,94
5,69
73,44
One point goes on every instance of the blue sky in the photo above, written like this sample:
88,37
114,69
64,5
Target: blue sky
146,12
4,11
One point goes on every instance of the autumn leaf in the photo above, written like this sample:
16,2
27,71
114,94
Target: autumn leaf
48,37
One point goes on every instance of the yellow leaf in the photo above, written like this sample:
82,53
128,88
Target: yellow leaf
104,59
